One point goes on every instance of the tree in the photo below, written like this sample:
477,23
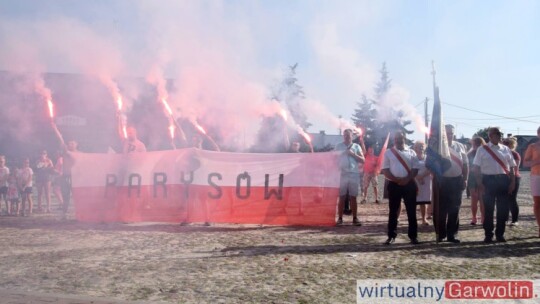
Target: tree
288,91
271,137
381,128
385,83
364,118
483,133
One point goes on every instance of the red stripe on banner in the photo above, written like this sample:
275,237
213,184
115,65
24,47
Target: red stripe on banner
203,203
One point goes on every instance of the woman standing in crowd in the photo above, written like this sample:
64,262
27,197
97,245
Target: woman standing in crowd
532,159
511,143
57,179
371,176
474,189
13,195
423,181
25,185
44,168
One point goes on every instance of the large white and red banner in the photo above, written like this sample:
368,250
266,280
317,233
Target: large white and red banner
192,185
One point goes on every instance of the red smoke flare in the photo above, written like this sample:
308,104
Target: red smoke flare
51,108
167,107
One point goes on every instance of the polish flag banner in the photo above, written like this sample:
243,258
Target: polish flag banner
197,186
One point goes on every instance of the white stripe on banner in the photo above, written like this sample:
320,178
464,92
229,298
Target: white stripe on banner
294,169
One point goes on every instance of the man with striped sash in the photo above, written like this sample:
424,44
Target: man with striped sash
453,182
494,168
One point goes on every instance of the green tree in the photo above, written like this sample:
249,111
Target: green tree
381,128
289,92
483,133
364,118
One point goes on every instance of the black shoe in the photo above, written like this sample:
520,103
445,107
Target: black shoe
356,222
390,240
501,239
488,240
455,241
440,240
339,222
415,241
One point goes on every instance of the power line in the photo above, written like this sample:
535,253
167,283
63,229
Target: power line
500,116
468,118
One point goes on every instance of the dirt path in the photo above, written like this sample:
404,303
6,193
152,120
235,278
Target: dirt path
248,263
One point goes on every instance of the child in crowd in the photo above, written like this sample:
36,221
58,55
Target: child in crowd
4,174
44,170
12,195
25,185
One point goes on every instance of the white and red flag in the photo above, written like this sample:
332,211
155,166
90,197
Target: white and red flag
193,185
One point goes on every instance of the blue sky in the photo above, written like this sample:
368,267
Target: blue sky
485,52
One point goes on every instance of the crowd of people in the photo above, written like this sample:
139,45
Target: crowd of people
489,172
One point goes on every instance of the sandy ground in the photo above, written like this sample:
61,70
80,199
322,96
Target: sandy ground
249,263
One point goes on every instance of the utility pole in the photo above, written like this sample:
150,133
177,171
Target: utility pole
426,119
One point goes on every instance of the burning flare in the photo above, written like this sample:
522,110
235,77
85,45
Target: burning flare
306,136
124,130
358,131
171,130
51,108
167,107
201,129
119,102
283,113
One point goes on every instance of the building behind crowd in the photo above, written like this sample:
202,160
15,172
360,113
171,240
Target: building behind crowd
85,111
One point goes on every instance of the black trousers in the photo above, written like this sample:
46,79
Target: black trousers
447,219
496,194
395,194
514,208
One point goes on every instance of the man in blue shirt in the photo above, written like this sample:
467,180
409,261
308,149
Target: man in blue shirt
350,175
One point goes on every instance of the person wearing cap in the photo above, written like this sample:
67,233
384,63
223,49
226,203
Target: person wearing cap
494,172
453,182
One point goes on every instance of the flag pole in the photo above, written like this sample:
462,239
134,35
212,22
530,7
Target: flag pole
435,180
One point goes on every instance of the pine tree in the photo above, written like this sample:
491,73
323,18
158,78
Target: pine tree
366,115
291,93
364,118
385,83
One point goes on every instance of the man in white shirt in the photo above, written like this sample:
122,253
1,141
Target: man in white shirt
400,166
350,176
493,166
453,182
132,144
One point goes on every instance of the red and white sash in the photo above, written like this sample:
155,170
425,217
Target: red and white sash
401,160
497,159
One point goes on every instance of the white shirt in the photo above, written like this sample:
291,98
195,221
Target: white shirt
458,151
348,163
25,174
488,165
4,173
134,146
396,168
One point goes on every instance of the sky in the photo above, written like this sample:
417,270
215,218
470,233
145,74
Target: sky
226,54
